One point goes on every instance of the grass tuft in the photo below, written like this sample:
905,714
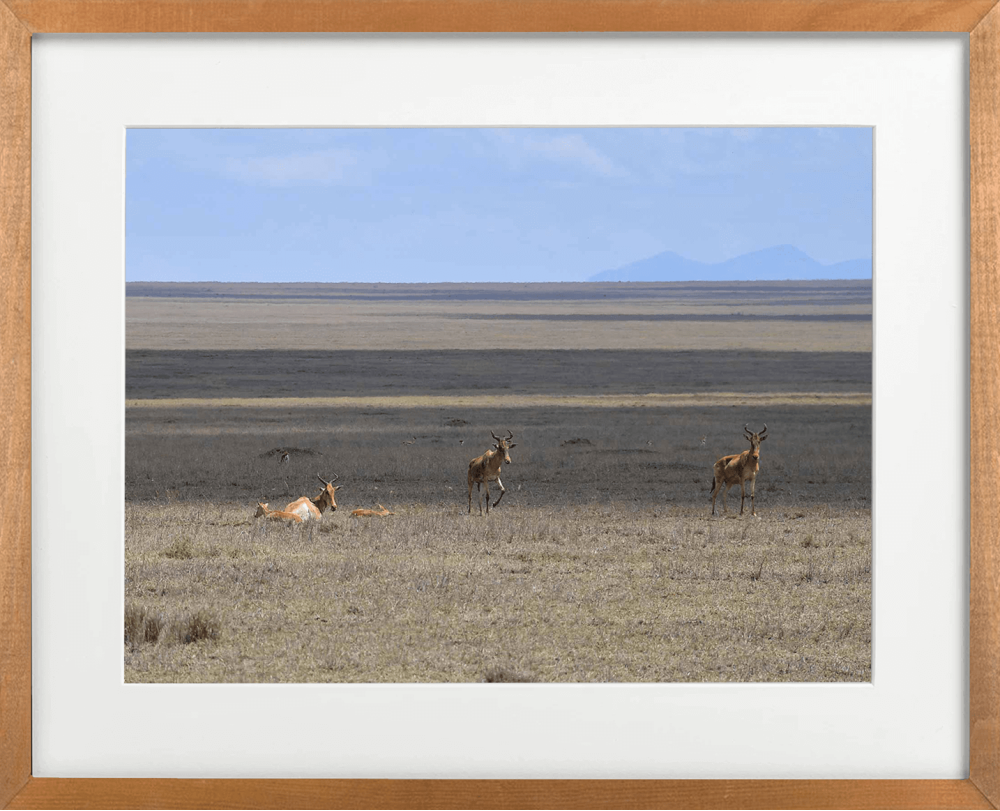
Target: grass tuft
141,626
181,549
200,625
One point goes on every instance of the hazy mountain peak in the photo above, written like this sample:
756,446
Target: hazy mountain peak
778,262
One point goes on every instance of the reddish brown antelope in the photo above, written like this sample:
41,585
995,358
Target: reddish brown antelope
486,468
276,515
371,513
312,509
738,469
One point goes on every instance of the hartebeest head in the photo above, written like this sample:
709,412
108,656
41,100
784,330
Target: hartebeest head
326,499
504,445
755,440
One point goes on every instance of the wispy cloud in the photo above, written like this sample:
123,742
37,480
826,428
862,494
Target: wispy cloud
569,150
573,149
318,168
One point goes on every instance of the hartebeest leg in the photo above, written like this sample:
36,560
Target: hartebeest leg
502,491
743,496
486,487
753,486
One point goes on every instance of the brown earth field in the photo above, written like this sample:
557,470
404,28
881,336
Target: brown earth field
602,562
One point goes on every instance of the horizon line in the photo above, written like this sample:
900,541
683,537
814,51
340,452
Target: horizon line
550,281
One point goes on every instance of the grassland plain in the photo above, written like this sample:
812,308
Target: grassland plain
602,563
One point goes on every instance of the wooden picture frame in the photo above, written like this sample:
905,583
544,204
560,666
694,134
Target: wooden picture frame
20,19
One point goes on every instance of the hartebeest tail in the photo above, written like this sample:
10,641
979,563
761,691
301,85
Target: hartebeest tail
312,509
276,515
371,513
486,468
738,469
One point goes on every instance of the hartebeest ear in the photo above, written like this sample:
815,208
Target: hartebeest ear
762,437
335,489
512,445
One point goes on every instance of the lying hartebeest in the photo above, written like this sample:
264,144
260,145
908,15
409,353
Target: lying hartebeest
486,468
371,513
312,509
276,515
738,469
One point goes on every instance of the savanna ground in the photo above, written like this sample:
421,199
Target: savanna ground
602,562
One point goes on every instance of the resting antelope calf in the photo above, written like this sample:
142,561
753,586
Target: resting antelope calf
312,509
486,468
738,469
275,515
370,513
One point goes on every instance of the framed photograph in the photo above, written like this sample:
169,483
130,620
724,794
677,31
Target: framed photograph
920,225
444,276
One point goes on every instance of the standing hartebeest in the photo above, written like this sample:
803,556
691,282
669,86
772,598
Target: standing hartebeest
313,508
371,513
486,468
737,469
277,515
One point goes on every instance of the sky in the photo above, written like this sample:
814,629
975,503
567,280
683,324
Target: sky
469,205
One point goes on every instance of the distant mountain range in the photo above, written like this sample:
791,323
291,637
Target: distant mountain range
778,263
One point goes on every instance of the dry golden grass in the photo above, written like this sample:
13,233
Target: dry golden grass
601,592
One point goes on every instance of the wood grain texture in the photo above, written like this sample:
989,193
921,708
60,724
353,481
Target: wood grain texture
446,794
98,16
984,621
74,16
15,403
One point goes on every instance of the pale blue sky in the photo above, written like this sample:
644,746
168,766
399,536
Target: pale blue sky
432,205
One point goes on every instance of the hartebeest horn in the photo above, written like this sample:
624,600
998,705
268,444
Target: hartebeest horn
494,436
324,481
510,435
762,433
